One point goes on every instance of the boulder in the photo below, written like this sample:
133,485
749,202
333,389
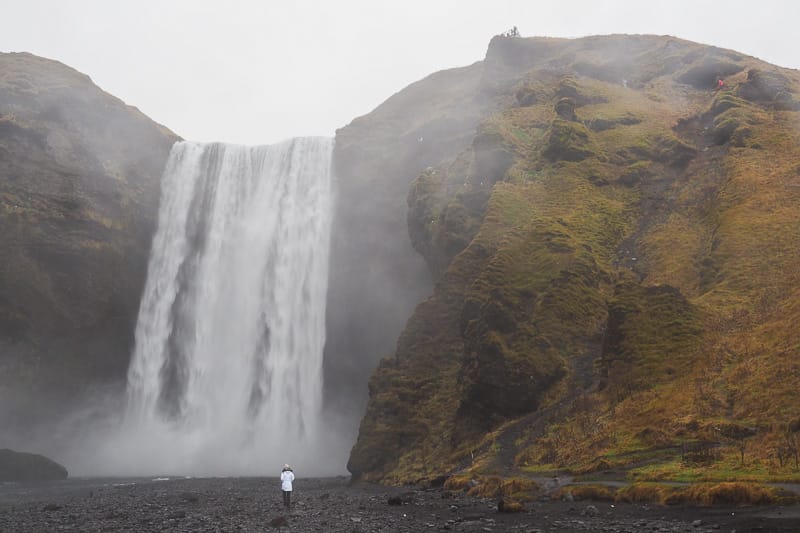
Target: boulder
21,466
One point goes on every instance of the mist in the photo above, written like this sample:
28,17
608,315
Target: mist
287,69
272,72
226,374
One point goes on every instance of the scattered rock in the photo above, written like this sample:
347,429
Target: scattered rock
590,510
509,506
243,505
189,497
279,521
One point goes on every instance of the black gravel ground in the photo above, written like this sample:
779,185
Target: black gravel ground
332,505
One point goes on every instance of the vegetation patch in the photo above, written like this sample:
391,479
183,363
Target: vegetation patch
706,494
598,493
568,141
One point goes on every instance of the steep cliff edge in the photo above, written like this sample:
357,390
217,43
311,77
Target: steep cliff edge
79,188
615,258
376,277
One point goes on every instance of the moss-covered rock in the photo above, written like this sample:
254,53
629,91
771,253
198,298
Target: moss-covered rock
568,141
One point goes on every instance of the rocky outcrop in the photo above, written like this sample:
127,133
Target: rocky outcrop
79,189
21,466
602,261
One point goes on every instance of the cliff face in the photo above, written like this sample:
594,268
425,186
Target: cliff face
79,187
614,251
376,276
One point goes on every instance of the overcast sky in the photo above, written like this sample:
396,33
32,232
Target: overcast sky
257,72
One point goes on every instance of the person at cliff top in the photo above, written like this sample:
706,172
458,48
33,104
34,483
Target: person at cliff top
287,476
720,83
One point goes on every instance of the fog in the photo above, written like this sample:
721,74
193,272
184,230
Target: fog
226,374
258,72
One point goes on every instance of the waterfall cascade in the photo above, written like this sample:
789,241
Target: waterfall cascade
226,375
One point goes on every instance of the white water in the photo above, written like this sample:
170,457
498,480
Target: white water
226,375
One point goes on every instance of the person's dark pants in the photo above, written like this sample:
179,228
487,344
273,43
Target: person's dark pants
287,498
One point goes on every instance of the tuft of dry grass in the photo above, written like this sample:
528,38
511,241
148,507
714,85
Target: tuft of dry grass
517,489
598,493
458,482
487,487
507,505
643,493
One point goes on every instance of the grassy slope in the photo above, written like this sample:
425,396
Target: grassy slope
630,290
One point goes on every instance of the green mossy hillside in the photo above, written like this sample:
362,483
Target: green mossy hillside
617,277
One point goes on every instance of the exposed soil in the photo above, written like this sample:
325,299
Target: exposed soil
332,505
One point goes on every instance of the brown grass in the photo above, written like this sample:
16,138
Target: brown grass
733,493
487,487
598,493
705,494
458,482
519,489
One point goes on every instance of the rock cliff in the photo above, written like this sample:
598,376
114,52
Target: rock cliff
614,244
27,467
376,276
79,188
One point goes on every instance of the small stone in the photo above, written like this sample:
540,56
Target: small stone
590,510
697,523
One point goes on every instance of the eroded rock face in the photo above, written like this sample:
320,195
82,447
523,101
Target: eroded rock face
376,276
594,242
21,466
79,189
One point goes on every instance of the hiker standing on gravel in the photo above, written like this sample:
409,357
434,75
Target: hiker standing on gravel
287,476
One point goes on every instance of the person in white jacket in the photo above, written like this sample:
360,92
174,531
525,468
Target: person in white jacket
287,476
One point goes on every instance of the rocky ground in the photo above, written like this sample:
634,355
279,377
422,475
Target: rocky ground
331,505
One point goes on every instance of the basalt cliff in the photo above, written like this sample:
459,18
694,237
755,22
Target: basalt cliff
613,240
574,255
79,186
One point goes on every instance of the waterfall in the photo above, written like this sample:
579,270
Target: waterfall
226,374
